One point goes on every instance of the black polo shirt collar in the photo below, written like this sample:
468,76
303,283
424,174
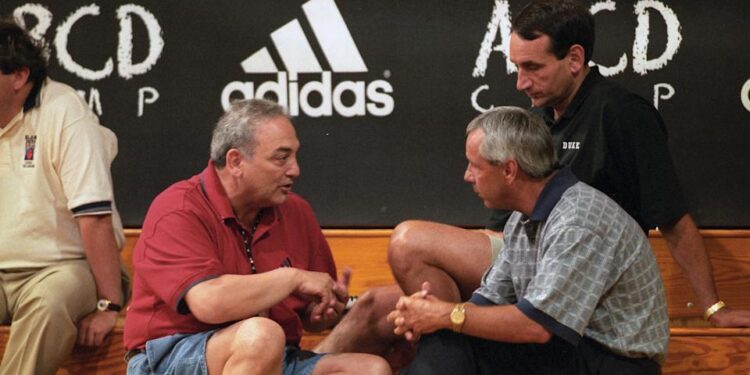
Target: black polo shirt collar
592,78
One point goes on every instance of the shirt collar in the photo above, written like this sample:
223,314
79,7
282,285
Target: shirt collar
589,82
13,122
217,197
552,192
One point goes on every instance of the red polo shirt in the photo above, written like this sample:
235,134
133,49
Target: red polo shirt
191,234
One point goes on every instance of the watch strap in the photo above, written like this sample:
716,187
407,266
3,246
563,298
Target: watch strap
107,305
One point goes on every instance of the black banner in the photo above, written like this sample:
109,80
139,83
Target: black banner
382,91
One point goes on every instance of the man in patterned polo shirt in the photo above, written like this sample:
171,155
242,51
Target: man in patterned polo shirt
576,288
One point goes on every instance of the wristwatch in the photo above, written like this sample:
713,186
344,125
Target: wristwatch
458,317
107,305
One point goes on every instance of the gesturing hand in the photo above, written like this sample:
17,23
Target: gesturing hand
333,313
318,287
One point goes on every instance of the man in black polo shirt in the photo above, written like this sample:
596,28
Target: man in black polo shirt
611,138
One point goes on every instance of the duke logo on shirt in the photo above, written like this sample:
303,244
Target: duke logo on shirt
28,154
571,145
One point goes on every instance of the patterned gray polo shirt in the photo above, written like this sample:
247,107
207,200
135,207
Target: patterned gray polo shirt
581,266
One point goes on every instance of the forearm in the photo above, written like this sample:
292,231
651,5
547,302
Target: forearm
102,255
687,248
503,323
234,297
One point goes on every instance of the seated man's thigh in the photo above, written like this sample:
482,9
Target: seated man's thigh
64,288
447,352
175,354
462,254
558,357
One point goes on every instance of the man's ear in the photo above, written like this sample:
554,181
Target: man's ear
576,59
510,170
20,78
234,160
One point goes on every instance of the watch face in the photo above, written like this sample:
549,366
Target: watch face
102,305
457,315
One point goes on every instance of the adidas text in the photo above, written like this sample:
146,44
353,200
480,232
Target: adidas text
371,98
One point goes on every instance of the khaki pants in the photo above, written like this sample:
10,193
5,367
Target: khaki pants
44,306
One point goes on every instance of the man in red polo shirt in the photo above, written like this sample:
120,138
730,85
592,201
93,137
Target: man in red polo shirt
231,265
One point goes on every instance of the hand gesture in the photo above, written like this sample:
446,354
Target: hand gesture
332,314
318,287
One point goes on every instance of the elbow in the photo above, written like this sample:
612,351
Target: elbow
207,316
203,307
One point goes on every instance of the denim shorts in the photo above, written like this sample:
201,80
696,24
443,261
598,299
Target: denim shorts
185,354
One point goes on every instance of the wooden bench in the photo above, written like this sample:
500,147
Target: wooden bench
694,347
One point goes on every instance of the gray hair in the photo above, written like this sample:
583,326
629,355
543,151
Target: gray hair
515,133
237,127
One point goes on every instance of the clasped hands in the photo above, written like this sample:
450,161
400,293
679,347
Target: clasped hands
420,313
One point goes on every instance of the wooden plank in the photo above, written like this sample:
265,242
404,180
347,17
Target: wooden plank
366,253
106,359
708,351
729,251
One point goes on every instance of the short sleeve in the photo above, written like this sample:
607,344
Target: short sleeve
173,260
86,152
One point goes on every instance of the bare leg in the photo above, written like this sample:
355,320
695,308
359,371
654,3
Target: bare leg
452,259
352,363
365,329
446,256
250,346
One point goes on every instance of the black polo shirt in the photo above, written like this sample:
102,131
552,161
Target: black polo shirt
616,141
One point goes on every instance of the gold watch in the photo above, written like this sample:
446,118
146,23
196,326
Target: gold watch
458,317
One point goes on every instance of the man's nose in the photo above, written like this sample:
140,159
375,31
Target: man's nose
468,176
522,82
293,171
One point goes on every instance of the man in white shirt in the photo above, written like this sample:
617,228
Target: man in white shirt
60,233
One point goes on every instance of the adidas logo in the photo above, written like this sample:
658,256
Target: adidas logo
321,97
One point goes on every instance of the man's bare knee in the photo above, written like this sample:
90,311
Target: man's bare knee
259,332
452,259
256,343
404,248
375,303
